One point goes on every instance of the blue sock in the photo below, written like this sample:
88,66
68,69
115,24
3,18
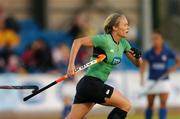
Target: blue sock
162,113
148,113
66,110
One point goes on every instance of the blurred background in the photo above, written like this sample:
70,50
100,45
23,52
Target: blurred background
35,41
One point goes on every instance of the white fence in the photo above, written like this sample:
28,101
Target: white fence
127,82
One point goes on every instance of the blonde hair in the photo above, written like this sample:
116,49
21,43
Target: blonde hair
112,20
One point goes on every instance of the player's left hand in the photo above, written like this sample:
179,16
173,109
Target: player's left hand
172,69
142,82
136,53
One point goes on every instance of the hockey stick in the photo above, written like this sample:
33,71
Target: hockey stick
34,87
99,59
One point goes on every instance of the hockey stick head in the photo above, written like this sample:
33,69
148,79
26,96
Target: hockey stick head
36,88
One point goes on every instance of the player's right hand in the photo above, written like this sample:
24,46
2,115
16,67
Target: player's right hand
71,70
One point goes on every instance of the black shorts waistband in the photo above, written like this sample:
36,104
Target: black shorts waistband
92,78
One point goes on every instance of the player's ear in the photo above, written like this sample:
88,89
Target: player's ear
115,28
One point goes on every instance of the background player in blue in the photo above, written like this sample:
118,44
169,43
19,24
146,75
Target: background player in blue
157,58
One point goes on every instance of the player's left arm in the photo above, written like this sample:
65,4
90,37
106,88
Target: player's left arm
177,65
134,55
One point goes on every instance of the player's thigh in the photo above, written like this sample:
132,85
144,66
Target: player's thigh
163,99
78,111
118,100
150,100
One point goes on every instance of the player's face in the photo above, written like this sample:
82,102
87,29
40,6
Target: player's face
123,27
157,40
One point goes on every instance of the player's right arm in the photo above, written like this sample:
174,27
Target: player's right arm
86,41
94,41
142,71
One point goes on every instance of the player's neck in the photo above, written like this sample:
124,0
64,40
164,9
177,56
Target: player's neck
158,50
116,37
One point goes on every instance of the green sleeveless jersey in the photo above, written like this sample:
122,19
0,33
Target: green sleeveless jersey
105,44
